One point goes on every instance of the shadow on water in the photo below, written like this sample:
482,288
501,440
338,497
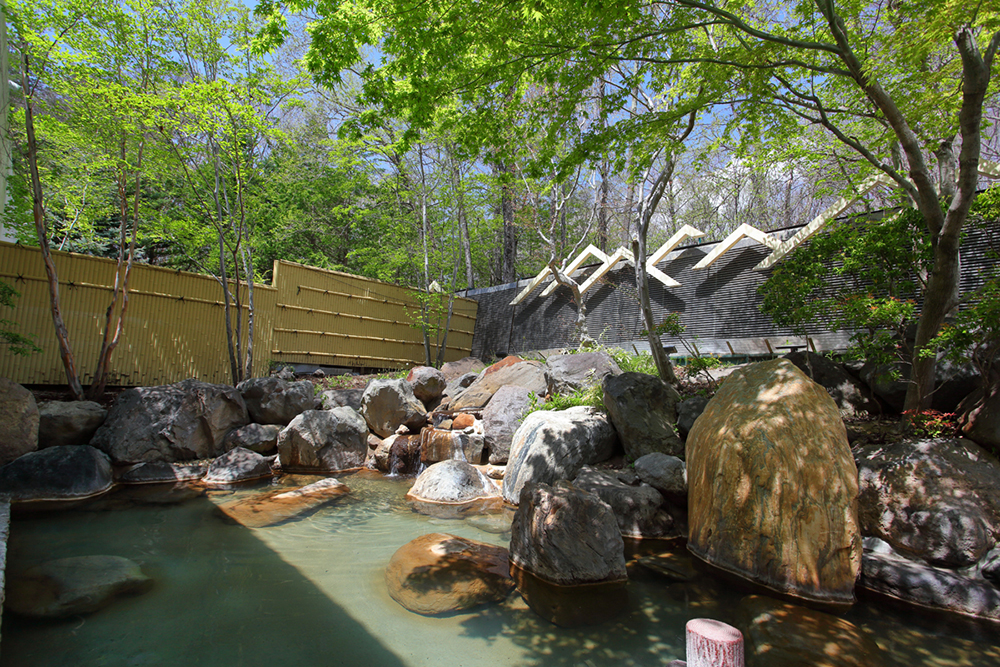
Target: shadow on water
222,597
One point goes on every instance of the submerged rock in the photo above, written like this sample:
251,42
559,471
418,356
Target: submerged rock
68,472
71,586
68,422
176,422
282,505
772,485
786,635
440,573
18,421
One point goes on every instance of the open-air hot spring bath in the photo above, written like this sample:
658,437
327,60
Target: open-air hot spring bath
312,592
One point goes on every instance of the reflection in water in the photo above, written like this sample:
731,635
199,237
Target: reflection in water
311,592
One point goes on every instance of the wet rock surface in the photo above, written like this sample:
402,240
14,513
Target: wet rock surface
272,400
324,441
388,404
443,445
71,586
551,446
452,482
57,473
161,471
398,455
283,504
18,421
440,573
772,485
643,409
177,422
68,422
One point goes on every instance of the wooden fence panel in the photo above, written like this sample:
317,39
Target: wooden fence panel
174,327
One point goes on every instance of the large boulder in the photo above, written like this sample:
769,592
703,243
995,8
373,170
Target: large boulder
157,472
551,446
73,586
428,384
68,472
852,396
638,509
510,371
938,500
566,373
68,422
324,441
18,421
388,404
915,582
260,438
280,505
772,485
567,555
341,398
643,409
780,634
979,416
440,573
456,369
238,465
175,422
501,417
272,400
452,482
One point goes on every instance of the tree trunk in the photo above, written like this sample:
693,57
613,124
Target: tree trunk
38,211
580,327
509,270
463,223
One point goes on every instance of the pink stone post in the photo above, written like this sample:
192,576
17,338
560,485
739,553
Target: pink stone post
713,644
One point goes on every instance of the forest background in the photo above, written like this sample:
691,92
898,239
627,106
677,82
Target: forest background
468,144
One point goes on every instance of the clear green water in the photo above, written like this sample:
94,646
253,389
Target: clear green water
311,593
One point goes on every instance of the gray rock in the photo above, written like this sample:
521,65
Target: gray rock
428,384
888,382
18,421
929,587
501,417
667,474
510,371
286,373
643,409
464,366
638,509
176,422
260,438
57,473
388,404
852,396
72,586
566,536
952,383
688,412
938,500
272,400
238,465
979,416
341,398
452,482
68,422
566,373
991,567
324,441
161,471
455,387
551,446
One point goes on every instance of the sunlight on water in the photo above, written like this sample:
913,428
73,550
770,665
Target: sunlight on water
311,593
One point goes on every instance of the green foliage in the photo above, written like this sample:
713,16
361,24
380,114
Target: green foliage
697,364
592,396
16,343
632,363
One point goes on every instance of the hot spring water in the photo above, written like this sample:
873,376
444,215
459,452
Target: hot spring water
310,593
